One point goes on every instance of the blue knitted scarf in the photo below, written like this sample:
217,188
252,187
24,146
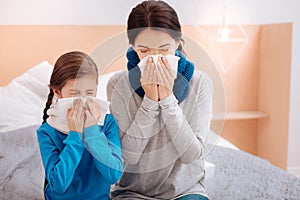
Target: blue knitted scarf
181,86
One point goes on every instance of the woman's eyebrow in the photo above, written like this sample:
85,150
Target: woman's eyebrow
161,46
164,45
143,46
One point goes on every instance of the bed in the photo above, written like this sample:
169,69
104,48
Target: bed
236,175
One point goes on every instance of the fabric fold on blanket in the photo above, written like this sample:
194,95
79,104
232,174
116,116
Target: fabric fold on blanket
240,175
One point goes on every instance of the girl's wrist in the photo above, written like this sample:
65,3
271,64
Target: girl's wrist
76,130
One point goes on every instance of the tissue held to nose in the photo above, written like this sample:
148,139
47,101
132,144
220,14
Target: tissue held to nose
172,60
58,111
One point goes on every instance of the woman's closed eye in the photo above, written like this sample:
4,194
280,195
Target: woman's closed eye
164,49
144,51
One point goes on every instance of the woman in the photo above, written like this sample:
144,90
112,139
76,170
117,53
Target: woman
163,117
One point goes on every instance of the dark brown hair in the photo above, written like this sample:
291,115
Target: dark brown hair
69,66
155,15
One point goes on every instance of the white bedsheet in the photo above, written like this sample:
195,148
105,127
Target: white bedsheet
215,139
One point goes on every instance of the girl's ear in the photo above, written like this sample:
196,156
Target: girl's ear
57,93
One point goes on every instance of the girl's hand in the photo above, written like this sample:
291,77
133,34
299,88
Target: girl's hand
92,113
165,78
149,80
76,116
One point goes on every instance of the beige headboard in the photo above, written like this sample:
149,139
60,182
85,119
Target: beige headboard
22,47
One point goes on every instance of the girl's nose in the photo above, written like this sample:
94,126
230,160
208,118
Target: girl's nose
84,95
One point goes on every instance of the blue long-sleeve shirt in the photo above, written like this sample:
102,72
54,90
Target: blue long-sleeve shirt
81,166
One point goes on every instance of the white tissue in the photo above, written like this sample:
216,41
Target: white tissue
172,60
58,112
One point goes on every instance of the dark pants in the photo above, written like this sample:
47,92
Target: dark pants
193,197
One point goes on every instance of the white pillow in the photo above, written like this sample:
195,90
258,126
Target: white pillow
23,99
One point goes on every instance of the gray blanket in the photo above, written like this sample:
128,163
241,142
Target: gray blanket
21,169
239,175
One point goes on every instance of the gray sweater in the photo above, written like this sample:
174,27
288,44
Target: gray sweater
162,142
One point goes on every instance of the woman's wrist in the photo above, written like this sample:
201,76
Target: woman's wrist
168,101
152,97
150,104
164,94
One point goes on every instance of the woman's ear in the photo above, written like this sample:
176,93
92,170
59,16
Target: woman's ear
133,47
178,42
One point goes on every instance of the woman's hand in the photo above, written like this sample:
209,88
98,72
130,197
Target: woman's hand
165,78
76,116
149,80
92,113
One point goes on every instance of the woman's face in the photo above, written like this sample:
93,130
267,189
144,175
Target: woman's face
80,87
151,42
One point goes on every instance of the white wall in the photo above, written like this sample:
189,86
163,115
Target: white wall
77,12
101,12
115,12
294,128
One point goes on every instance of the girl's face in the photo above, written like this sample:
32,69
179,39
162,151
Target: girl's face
79,87
151,42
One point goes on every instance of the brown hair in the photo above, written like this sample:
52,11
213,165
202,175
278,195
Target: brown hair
155,15
69,66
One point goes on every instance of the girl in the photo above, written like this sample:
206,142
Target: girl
162,117
83,161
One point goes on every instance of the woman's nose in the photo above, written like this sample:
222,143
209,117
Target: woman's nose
154,51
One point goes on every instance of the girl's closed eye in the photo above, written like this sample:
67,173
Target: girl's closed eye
91,93
74,93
